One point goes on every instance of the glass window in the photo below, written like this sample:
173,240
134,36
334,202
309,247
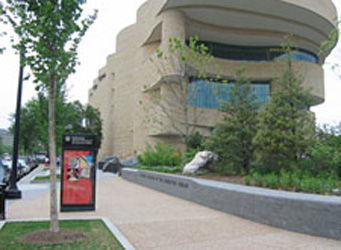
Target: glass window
212,95
301,56
255,54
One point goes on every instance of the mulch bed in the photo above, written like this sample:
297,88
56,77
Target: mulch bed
46,236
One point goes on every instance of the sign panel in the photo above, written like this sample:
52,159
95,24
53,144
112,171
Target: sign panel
78,173
77,186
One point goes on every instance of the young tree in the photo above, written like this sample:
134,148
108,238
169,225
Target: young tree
285,124
49,34
329,44
232,138
177,66
2,12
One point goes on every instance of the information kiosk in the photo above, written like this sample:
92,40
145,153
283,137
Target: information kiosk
78,181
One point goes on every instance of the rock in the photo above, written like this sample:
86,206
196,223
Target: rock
113,165
130,162
202,160
104,160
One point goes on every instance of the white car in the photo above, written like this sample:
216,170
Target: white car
7,163
22,167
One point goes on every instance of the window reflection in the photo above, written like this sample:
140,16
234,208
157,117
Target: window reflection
212,95
256,54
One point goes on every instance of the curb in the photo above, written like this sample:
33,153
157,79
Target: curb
120,237
113,229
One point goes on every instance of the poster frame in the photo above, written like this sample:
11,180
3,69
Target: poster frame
79,146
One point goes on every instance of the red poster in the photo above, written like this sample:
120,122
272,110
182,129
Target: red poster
77,184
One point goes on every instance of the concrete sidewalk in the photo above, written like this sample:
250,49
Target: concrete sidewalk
153,220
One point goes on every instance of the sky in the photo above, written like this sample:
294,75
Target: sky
99,42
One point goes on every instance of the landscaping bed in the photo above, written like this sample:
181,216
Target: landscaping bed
282,181
44,178
74,234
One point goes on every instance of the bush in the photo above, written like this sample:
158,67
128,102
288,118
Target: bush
271,181
247,180
285,180
298,181
160,155
321,160
195,142
258,179
189,156
308,184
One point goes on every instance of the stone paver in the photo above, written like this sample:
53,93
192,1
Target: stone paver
153,220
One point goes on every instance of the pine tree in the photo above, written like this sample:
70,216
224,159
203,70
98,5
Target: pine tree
285,124
232,139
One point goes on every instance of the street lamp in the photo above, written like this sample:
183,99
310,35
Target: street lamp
13,192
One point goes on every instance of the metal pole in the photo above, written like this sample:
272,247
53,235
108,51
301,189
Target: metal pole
13,192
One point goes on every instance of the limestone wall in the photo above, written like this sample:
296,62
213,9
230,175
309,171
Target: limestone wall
130,121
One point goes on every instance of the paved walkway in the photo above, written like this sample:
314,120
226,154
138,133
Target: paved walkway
153,220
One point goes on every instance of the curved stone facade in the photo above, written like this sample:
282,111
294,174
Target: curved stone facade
130,121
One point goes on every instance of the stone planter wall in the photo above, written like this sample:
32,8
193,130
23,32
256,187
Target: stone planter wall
305,213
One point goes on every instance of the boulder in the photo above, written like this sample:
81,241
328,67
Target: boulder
202,160
113,165
104,160
130,162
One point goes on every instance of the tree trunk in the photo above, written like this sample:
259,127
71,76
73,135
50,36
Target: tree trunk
184,89
54,227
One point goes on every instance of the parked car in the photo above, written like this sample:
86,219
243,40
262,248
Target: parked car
32,161
41,157
4,177
28,161
7,162
23,167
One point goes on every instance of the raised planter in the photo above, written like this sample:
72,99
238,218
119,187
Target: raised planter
305,213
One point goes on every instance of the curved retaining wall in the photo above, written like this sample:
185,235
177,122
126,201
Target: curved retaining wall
305,213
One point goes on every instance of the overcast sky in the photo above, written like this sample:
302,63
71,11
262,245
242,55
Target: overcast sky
100,41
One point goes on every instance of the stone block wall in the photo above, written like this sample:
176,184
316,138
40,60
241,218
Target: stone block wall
312,214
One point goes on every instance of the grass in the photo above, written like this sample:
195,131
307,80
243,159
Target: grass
99,235
45,178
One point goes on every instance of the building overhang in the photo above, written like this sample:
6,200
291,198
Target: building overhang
172,79
258,23
155,35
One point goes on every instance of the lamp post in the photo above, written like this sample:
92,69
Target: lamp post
13,192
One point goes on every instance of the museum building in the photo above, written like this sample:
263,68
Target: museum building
238,33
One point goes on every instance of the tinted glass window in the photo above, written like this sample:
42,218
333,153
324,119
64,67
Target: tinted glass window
255,54
212,95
